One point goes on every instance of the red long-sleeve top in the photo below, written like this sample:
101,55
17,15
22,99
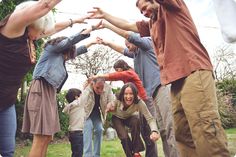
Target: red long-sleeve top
129,76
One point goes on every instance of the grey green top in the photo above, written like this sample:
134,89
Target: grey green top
134,109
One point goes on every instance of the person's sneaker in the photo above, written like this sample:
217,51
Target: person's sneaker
137,155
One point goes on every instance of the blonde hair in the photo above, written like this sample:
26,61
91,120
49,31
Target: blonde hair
45,22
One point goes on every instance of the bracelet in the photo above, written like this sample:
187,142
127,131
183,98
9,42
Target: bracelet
71,23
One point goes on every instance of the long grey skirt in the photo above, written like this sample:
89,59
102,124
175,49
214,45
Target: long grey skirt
40,110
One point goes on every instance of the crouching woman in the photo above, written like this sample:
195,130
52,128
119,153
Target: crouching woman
125,112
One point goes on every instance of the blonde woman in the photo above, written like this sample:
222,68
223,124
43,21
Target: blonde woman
30,21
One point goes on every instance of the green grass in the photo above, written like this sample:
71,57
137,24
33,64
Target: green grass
231,131
110,148
62,149
231,135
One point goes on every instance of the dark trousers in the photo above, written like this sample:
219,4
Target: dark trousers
133,145
151,147
76,141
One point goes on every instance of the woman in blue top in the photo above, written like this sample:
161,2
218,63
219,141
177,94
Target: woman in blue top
40,112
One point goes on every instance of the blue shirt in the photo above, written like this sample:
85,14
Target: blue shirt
145,62
51,64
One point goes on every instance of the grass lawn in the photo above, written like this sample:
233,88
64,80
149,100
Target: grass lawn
62,149
231,131
231,134
110,148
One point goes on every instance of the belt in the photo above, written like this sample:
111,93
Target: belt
76,131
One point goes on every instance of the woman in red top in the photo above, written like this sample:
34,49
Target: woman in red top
126,74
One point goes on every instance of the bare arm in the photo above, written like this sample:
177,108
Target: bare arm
92,28
98,13
64,44
115,29
90,43
112,45
105,76
18,20
63,25
133,38
110,107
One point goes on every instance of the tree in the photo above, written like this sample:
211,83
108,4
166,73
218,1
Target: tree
225,72
98,60
225,63
227,110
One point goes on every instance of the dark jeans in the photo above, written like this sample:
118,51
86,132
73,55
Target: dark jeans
7,131
76,140
133,145
151,147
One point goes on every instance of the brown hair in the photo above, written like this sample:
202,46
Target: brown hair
134,90
99,79
70,51
72,93
121,64
137,2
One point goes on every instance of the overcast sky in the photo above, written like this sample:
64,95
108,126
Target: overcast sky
202,12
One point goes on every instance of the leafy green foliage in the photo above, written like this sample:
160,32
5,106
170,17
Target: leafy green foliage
19,113
116,90
227,102
228,87
7,6
64,118
226,110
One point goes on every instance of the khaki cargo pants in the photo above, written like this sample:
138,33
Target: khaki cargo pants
198,129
